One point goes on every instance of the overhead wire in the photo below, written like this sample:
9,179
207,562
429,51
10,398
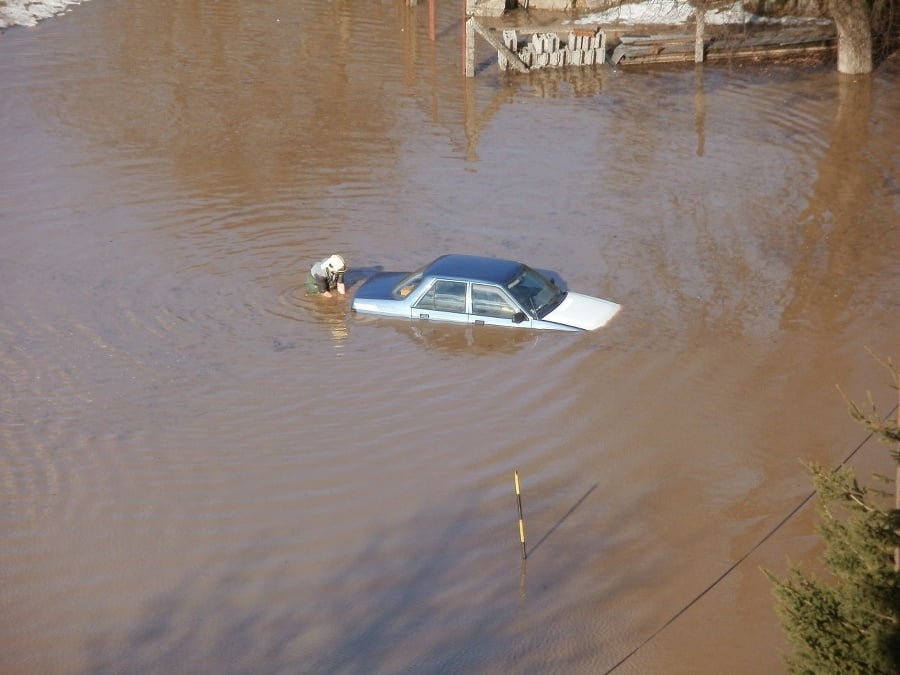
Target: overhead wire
740,560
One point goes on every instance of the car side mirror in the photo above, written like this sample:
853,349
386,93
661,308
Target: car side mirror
518,317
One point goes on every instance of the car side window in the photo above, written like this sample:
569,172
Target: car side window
444,296
488,301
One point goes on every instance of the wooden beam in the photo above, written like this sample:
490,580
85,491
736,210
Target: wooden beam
582,29
698,37
469,49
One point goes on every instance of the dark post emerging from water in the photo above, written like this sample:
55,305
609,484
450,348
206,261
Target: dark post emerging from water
521,518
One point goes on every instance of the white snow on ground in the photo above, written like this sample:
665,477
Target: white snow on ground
677,12
29,12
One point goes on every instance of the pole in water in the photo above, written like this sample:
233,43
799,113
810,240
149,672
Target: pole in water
521,518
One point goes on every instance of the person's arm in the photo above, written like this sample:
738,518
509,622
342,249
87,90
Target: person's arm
321,284
341,288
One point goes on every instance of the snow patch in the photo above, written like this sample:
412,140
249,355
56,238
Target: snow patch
29,12
677,12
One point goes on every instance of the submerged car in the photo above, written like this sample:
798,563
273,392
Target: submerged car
483,291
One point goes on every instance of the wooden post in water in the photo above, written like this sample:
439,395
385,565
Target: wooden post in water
700,14
897,468
521,517
469,38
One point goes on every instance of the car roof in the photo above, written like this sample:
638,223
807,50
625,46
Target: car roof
477,268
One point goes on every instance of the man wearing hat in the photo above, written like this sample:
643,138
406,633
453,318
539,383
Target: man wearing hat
328,275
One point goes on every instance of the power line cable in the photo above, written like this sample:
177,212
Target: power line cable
740,560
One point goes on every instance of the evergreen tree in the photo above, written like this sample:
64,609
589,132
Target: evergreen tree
849,624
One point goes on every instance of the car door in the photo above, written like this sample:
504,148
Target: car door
491,306
445,300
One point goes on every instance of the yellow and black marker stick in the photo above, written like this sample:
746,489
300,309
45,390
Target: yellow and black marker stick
521,518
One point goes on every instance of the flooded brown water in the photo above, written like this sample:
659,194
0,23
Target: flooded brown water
205,470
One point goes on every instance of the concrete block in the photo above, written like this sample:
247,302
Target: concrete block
511,40
526,54
545,42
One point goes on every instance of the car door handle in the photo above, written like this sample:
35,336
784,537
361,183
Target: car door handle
479,322
423,316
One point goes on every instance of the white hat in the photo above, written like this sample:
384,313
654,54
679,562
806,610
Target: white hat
335,263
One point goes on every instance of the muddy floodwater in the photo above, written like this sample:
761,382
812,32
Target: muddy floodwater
205,470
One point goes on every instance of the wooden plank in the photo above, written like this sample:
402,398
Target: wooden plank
470,50
715,52
782,42
582,29
770,52
634,39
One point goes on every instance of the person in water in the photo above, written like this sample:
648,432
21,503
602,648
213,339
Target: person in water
328,275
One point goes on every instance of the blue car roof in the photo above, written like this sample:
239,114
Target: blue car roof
475,267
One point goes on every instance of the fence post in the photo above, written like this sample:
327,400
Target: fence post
521,517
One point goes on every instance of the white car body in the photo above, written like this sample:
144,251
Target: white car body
481,291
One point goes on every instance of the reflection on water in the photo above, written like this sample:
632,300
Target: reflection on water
331,313
462,340
206,469
824,275
699,109
309,307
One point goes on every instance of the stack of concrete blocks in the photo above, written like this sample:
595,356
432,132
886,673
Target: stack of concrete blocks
586,47
545,50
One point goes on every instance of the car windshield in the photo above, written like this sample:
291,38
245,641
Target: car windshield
409,283
535,293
